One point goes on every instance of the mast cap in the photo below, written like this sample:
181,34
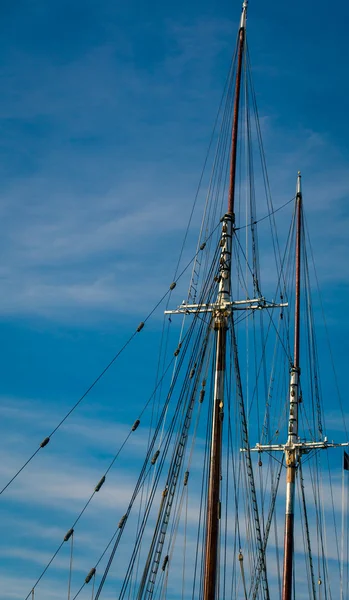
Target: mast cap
299,186
243,16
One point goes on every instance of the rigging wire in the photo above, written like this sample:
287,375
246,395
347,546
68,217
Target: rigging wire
123,589
71,563
226,87
213,267
256,561
47,439
157,477
327,333
103,478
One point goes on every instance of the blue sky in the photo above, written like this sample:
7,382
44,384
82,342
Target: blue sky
106,110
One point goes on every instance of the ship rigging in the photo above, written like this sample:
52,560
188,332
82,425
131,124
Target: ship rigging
231,445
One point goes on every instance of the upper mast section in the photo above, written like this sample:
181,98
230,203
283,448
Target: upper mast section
234,135
299,187
298,267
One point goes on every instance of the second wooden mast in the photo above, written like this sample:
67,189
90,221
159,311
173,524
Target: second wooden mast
220,323
292,453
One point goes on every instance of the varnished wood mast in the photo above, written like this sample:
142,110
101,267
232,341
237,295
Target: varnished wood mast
291,452
211,567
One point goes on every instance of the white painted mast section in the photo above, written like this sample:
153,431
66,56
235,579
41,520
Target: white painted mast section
244,15
299,184
294,382
223,298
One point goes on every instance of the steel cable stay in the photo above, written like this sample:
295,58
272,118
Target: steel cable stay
313,415
174,477
271,512
225,480
266,527
271,211
240,484
319,421
340,401
303,534
247,455
47,439
314,422
210,207
155,552
250,199
236,477
144,522
177,421
104,552
97,489
258,424
71,563
184,494
68,538
224,132
214,188
312,358
162,357
208,290
259,521
224,94
180,338
307,533
264,374
208,355
204,292
314,479
333,513
266,434
164,454
261,366
103,478
202,504
186,340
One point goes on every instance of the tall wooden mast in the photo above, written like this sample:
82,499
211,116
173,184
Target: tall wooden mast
291,452
220,323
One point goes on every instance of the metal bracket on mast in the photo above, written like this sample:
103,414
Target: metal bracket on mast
243,15
299,447
224,306
248,304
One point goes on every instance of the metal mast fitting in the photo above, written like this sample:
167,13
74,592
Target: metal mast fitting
243,15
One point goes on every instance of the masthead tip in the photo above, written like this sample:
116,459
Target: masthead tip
243,16
299,189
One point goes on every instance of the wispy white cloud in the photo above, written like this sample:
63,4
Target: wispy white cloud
90,222
81,231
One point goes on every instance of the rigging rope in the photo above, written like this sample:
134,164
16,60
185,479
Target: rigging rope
247,455
47,439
